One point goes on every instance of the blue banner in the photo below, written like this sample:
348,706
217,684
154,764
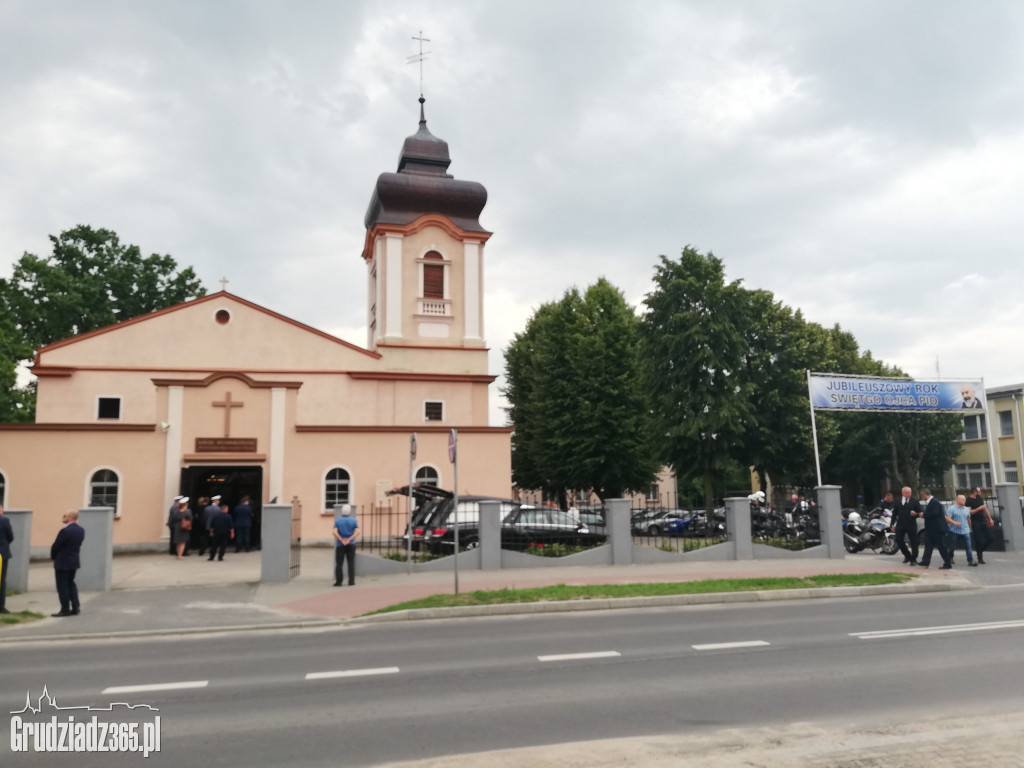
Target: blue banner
850,393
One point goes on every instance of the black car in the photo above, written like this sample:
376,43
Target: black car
439,525
428,499
527,526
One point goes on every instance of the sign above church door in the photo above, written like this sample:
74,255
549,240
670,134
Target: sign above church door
225,445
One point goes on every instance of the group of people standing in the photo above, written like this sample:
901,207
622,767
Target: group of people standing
963,523
215,523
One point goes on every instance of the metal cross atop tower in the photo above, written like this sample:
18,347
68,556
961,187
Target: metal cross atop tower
419,58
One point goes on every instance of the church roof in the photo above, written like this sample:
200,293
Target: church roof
422,186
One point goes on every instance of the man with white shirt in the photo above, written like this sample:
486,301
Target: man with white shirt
905,515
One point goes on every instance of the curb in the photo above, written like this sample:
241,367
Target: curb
512,609
659,601
325,623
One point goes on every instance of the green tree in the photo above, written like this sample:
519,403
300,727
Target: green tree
90,280
577,405
780,348
695,351
16,403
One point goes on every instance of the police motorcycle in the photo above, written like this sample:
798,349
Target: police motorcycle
875,534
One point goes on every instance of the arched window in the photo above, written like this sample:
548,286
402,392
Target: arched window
433,275
336,488
103,487
427,476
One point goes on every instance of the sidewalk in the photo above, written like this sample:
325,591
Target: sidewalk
158,594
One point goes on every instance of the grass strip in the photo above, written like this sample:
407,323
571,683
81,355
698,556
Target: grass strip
19,617
604,591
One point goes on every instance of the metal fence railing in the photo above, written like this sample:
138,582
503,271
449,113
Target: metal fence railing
382,529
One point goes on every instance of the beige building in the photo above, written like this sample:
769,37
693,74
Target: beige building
996,430
222,395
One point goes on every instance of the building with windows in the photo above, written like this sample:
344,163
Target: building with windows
221,395
1003,416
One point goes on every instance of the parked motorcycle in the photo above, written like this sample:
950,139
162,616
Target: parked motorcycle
875,534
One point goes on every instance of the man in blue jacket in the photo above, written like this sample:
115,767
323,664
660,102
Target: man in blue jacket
6,537
242,515
66,562
346,529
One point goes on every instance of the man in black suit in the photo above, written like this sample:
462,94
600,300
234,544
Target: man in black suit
906,513
935,531
6,537
66,562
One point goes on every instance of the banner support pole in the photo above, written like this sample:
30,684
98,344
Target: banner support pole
995,465
814,427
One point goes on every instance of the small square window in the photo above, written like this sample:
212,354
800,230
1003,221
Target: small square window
108,408
433,411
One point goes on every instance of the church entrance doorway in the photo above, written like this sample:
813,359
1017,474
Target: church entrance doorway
231,484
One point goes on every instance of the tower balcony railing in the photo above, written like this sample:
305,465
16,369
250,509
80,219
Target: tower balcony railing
434,307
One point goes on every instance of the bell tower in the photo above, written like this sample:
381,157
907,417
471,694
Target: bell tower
424,251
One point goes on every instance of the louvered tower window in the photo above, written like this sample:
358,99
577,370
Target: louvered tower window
433,276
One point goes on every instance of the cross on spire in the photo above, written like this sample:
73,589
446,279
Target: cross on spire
223,283
419,58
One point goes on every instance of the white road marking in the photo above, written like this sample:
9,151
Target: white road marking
572,656
155,687
919,631
719,646
352,673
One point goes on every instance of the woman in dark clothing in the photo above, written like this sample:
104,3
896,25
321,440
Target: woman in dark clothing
180,536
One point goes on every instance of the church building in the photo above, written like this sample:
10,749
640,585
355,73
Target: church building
222,396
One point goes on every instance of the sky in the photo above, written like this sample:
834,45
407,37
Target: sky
863,161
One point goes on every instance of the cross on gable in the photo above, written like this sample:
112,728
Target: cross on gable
227,404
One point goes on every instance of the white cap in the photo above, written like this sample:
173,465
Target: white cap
182,500
215,498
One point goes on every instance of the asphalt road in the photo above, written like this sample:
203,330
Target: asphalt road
377,693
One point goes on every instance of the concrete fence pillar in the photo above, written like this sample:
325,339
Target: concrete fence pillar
490,535
830,520
21,548
620,537
97,549
737,527
1013,523
276,547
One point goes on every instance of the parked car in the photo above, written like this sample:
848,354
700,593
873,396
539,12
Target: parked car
653,521
439,526
527,525
678,526
592,516
428,498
